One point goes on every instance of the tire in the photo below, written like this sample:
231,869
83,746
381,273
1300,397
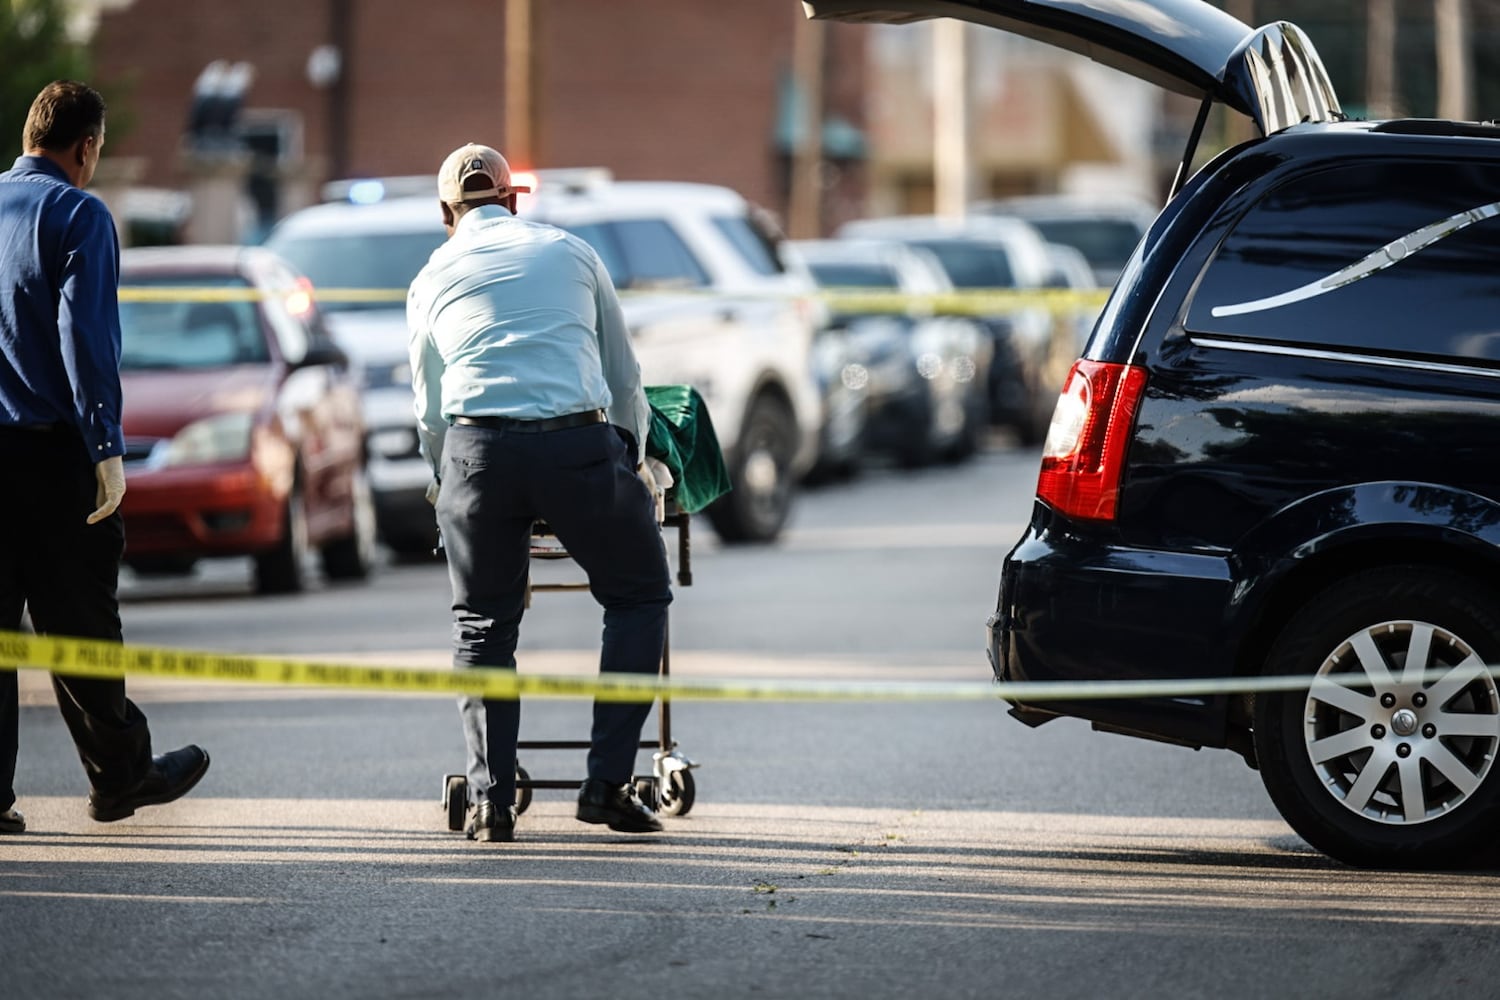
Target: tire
1332,759
281,570
761,475
162,565
353,556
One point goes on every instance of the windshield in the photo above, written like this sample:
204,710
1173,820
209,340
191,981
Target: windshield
374,270
971,265
854,275
217,326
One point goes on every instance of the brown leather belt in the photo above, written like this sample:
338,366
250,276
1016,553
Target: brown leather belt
534,426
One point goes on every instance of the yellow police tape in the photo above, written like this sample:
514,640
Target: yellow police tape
970,302
94,658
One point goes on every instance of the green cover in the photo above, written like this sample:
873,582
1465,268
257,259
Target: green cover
682,438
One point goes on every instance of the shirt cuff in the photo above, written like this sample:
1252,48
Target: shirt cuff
106,442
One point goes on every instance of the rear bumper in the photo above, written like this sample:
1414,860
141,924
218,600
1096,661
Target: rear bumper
221,510
1074,608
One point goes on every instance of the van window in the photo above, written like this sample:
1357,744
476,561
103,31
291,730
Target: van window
1386,258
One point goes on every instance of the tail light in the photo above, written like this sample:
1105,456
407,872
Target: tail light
1085,451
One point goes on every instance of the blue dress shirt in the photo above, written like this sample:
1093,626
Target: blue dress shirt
514,318
59,309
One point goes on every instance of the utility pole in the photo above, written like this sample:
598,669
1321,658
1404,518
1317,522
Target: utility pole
520,138
340,89
1380,59
1452,24
953,161
805,200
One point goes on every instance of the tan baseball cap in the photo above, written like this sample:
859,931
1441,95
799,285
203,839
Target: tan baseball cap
474,160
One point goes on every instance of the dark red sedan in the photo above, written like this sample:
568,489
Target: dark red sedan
243,428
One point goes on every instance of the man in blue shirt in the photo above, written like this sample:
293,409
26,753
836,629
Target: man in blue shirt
529,405
61,441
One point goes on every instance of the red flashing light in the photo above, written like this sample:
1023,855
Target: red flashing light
299,301
1084,456
525,179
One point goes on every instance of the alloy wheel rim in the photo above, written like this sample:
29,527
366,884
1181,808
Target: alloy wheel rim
1402,723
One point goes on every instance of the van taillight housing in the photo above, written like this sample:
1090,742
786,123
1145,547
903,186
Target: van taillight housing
1085,451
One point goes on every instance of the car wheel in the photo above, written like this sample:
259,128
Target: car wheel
352,557
1387,760
281,570
761,476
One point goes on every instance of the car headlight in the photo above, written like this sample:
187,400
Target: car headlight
222,438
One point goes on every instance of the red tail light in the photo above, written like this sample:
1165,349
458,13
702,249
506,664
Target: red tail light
1085,450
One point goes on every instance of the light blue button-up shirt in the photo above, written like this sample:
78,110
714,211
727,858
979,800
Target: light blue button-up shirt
513,318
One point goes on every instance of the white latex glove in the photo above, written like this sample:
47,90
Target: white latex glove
657,478
111,476
432,492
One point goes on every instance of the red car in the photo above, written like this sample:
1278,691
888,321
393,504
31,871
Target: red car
243,428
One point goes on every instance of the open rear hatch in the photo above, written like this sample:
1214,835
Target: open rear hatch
1272,74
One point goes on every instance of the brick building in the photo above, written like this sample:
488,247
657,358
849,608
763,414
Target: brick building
653,89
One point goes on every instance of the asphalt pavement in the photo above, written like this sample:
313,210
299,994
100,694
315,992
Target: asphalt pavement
840,849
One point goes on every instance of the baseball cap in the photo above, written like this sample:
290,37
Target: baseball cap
474,160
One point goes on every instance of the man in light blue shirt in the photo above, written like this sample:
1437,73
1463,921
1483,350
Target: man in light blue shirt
529,406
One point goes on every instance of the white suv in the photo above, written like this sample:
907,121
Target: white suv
709,301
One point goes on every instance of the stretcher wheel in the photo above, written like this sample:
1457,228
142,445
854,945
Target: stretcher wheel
456,800
523,795
677,794
645,790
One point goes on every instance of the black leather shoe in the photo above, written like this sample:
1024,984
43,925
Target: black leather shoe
12,822
491,823
171,776
616,805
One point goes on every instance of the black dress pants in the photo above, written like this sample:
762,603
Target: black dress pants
65,572
582,482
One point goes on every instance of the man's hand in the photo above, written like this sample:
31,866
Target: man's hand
111,476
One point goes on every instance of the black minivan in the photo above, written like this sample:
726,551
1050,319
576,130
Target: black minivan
1279,456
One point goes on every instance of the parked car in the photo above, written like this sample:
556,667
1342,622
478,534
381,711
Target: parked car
1071,274
243,432
924,375
1276,459
985,254
1104,228
707,298
711,303
365,255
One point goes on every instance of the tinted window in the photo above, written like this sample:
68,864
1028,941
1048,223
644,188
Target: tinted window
643,253
1387,257
757,248
854,275
181,332
376,262
971,265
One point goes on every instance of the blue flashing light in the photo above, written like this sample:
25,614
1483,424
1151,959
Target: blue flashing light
366,192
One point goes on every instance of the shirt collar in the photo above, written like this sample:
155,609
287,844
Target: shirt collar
38,165
482,213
